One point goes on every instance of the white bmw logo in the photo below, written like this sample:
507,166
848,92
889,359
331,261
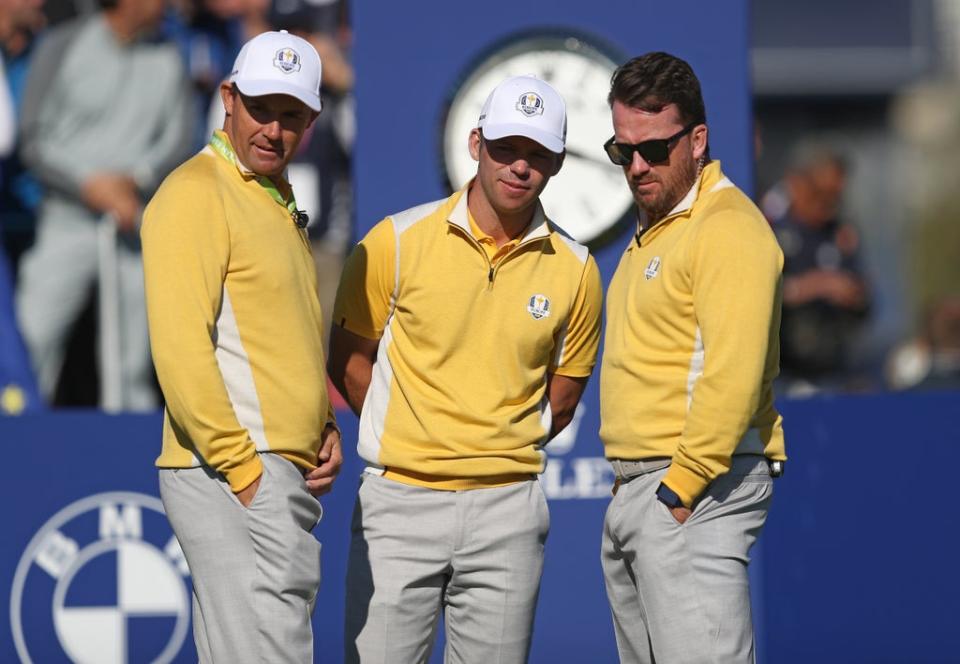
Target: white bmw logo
105,580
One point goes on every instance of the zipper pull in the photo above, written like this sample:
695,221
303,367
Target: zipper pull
490,275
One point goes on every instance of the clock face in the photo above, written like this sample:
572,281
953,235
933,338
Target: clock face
588,197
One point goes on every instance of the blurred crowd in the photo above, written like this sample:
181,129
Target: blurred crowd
99,100
827,293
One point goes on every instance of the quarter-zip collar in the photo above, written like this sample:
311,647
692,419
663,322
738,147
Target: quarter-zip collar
711,179
537,229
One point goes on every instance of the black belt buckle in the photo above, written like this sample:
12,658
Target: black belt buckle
776,468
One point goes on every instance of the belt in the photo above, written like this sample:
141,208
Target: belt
625,469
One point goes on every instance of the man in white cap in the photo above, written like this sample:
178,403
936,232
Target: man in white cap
236,328
464,333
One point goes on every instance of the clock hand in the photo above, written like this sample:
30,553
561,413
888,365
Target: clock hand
577,154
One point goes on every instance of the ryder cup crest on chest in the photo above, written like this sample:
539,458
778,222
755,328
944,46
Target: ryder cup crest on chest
653,268
538,306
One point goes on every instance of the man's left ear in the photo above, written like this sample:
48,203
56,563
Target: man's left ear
228,95
699,141
473,143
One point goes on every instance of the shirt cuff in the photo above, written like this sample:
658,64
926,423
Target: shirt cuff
685,483
244,475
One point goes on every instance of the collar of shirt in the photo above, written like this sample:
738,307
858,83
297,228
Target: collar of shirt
460,216
494,253
282,193
234,158
685,203
710,179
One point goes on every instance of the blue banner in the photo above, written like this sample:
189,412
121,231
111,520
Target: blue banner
856,563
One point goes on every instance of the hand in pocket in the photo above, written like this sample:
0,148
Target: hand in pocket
246,496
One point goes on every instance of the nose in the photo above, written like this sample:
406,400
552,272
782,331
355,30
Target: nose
638,165
521,167
272,130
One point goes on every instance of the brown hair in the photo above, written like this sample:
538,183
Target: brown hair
655,80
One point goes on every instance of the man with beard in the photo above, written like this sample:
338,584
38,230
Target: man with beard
687,416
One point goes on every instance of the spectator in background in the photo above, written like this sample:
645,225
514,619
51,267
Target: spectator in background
931,361
20,22
8,133
105,118
58,11
825,296
209,34
321,171
18,389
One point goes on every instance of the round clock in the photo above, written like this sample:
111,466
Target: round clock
588,197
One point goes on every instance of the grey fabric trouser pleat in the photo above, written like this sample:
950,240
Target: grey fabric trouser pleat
679,594
476,555
255,569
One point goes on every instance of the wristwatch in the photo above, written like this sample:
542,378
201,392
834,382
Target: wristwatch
667,496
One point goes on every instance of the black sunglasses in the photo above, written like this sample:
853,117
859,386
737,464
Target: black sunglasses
654,151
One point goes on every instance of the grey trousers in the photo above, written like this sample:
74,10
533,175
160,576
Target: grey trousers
255,569
55,280
475,555
679,594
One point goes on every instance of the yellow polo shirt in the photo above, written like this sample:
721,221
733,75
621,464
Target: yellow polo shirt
691,346
458,394
488,244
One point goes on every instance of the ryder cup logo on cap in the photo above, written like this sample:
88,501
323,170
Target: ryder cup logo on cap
525,106
287,60
278,63
530,104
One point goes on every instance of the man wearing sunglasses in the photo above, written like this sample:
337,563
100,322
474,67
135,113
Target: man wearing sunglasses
687,416
464,333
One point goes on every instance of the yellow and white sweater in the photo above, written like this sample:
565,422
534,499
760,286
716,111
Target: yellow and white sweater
691,346
468,335
235,325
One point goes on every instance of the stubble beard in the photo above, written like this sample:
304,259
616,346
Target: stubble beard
675,187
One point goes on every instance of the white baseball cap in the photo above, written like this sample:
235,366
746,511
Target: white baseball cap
525,106
278,63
